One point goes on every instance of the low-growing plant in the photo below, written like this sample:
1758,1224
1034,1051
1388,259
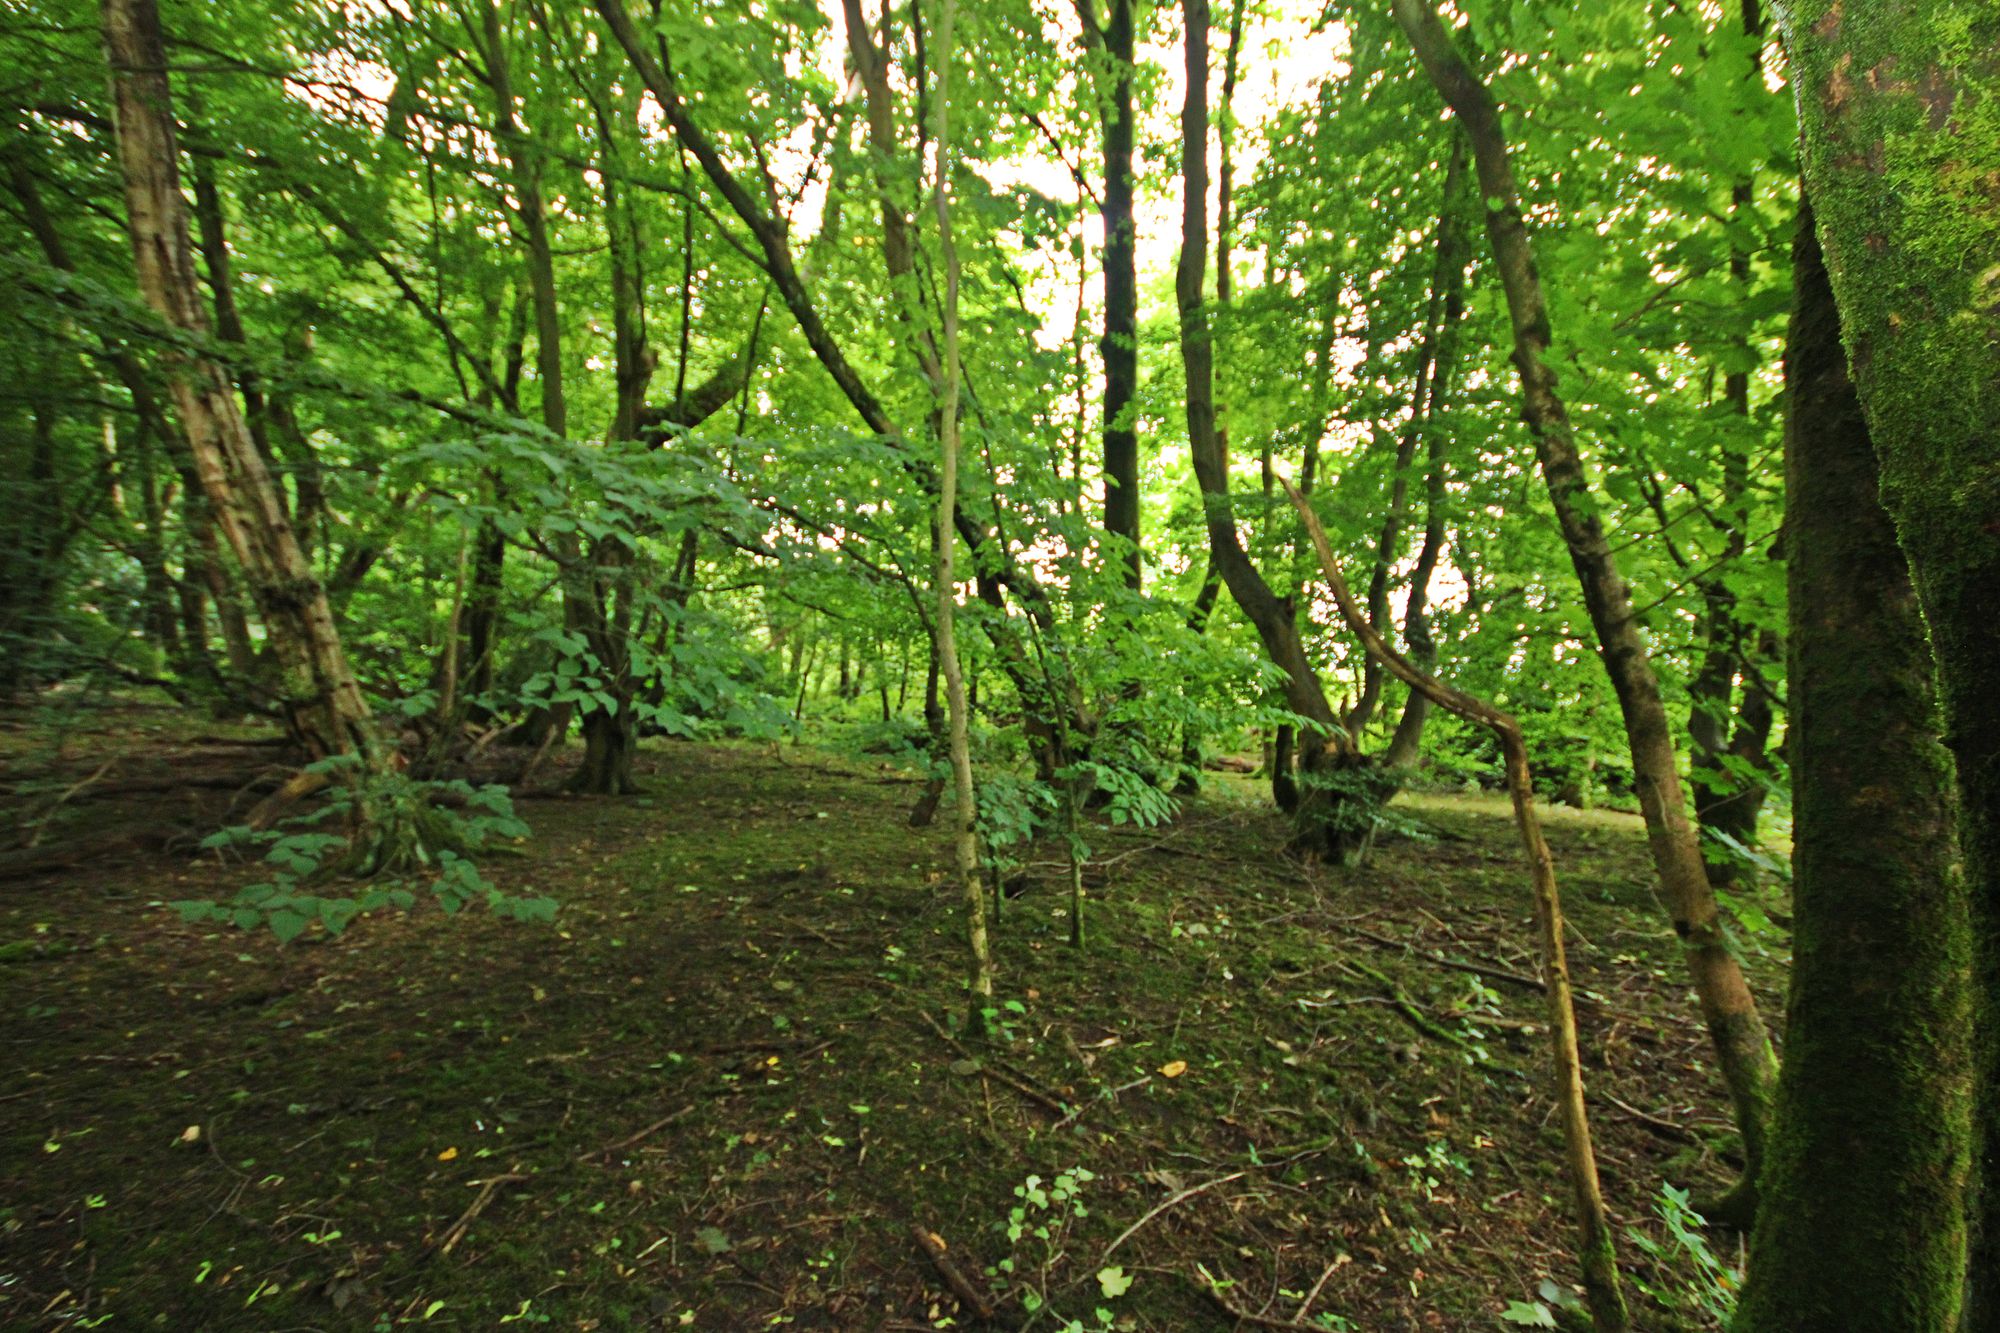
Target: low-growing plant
438,829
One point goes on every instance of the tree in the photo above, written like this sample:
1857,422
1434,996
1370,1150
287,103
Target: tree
1877,1075
1742,1047
1112,42
1897,114
323,703
1330,762
965,837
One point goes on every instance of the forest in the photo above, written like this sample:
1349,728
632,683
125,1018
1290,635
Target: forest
1064,665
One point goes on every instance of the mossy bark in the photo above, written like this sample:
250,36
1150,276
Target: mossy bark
1900,118
1862,1224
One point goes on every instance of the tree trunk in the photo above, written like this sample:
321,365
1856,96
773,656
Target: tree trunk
1327,817
1878,1063
965,837
323,702
1743,1049
1334,813
1120,344
1447,272
1896,104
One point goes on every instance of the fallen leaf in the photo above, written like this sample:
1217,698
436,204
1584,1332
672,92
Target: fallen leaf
192,1134
1173,1069
449,1154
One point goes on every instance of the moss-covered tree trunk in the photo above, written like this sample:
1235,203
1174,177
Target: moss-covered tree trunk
1899,109
1742,1048
1862,1221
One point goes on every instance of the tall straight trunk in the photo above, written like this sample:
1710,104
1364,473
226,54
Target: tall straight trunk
489,565
1325,813
965,838
608,736
1743,1049
1406,745
1878,1060
1447,273
1120,344
1043,699
1728,723
324,705
1896,109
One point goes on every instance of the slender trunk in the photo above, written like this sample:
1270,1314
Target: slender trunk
607,771
965,837
1720,729
1878,1065
1594,1236
1900,155
1743,1049
1120,344
1406,745
1447,274
324,704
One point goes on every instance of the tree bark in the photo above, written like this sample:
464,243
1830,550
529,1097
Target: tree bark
1878,1061
1120,344
1896,109
323,702
1743,1049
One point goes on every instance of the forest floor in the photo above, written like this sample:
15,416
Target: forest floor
722,1090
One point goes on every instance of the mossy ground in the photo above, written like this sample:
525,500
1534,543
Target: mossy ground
713,1095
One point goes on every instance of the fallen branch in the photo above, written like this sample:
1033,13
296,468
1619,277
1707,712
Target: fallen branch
1595,1250
488,1189
1034,1094
630,1139
1165,1204
968,1294
1242,1316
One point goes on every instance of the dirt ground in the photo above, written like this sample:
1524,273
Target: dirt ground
723,1090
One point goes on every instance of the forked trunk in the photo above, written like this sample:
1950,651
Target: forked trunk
1896,107
1336,797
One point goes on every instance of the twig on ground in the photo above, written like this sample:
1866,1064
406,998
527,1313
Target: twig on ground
487,1189
961,1286
630,1139
1165,1204
1665,1128
1210,1290
1034,1094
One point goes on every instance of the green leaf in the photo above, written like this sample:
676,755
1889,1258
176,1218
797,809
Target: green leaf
288,924
1114,1282
1532,1314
